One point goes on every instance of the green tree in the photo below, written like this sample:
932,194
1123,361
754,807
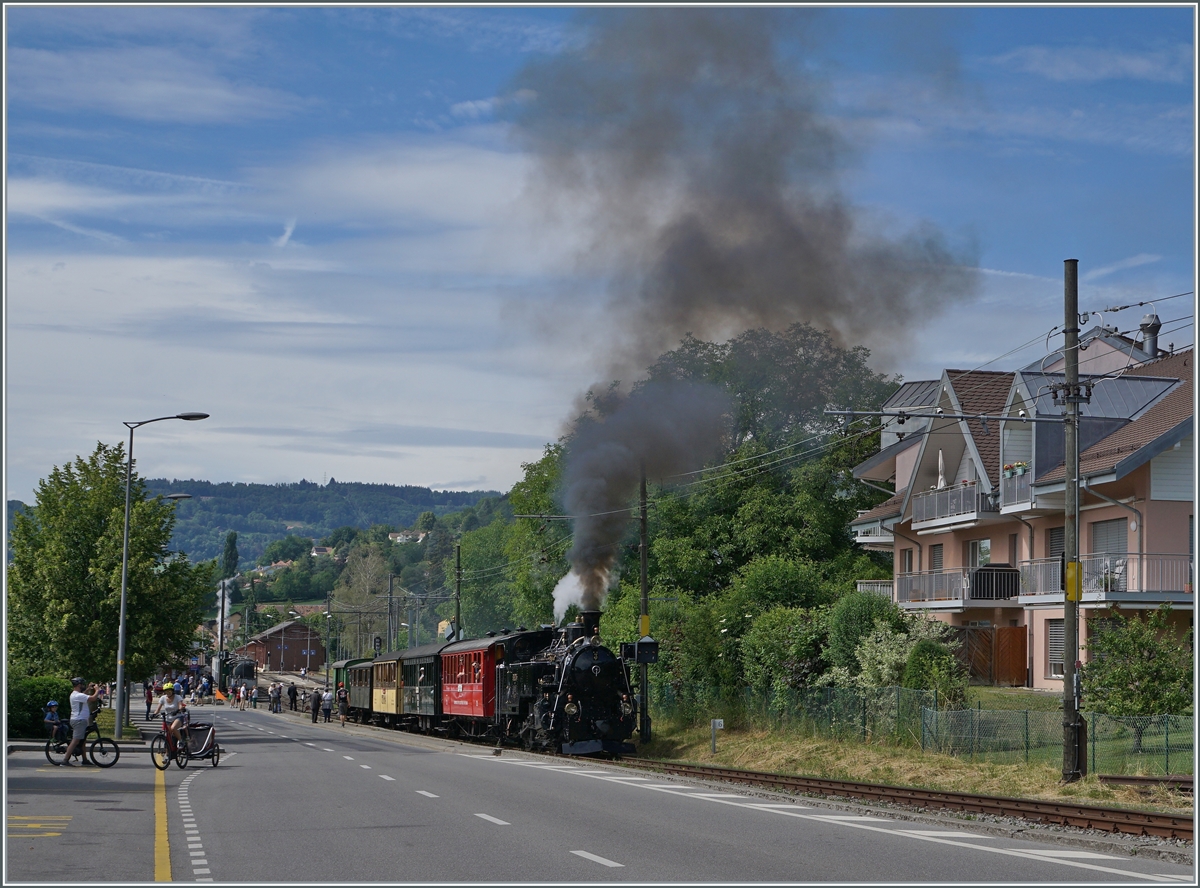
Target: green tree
1138,665
64,582
229,561
854,617
535,547
784,649
289,548
426,521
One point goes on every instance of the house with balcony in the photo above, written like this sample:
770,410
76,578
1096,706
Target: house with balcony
977,525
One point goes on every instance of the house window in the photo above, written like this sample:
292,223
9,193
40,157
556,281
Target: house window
1110,537
1055,641
1056,542
935,556
906,561
979,553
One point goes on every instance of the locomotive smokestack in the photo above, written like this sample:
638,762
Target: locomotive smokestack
591,622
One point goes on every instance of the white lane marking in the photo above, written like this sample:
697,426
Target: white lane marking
368,767
787,807
1082,855
942,834
348,758
196,853
845,817
327,749
720,795
597,859
430,795
386,777
199,871
196,863
495,820
310,744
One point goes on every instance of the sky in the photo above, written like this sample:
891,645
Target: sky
396,244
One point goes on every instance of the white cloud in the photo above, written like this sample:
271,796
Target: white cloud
1131,262
139,83
1089,64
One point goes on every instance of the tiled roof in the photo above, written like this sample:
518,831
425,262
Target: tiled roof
1174,408
983,391
886,509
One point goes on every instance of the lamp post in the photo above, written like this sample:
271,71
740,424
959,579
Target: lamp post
122,697
328,617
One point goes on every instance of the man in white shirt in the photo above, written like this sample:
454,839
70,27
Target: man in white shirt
81,716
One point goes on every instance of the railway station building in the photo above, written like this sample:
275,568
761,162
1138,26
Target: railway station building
286,647
976,525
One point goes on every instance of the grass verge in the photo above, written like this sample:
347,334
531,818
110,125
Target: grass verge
790,752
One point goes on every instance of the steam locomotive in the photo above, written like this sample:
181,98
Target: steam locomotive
557,690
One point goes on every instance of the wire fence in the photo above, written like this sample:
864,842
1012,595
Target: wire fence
1145,745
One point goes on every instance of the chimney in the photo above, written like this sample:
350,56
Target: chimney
1150,326
591,622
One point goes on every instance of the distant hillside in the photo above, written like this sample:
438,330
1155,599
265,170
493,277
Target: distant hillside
262,513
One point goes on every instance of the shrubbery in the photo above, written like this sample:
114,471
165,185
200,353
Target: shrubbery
26,702
932,666
854,617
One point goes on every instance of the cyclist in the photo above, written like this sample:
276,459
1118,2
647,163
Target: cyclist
175,712
81,716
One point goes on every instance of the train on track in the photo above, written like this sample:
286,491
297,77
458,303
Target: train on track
551,689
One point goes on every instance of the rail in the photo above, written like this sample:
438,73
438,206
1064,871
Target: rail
1106,573
1113,820
950,502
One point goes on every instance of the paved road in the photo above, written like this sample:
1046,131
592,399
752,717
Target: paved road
294,802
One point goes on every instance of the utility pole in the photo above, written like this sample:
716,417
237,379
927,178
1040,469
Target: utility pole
328,620
458,633
644,628
221,642
391,634
1072,768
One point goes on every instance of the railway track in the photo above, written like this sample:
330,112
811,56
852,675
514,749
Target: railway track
1113,820
1178,782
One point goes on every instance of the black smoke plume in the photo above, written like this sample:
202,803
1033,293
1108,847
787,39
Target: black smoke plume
662,428
697,141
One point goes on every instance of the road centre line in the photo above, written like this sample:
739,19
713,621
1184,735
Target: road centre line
326,748
495,820
348,758
386,777
427,795
597,859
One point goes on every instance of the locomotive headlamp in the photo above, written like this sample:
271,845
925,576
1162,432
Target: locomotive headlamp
595,641
626,708
571,708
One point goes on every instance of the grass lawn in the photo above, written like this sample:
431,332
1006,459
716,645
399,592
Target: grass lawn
789,752
1014,698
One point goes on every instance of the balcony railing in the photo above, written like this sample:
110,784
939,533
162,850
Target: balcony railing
878,587
958,501
873,536
1015,490
1106,574
957,584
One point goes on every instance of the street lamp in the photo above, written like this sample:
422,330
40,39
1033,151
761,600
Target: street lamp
122,697
328,617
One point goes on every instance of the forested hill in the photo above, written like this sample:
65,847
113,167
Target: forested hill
261,513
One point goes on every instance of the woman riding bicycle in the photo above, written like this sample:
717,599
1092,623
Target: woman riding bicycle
174,711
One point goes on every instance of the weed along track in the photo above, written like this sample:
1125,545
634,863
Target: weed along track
1114,820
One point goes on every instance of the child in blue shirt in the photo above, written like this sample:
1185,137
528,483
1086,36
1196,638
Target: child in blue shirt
53,723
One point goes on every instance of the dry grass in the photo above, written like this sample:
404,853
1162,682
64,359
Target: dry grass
793,753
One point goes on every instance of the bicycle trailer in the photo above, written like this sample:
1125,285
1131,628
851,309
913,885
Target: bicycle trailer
202,742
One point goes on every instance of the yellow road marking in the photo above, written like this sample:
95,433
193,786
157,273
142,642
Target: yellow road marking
162,847
42,822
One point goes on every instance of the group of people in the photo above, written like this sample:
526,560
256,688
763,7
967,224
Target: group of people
182,686
323,703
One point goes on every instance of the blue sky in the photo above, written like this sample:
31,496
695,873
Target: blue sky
317,224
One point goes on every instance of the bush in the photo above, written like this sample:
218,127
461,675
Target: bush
26,702
854,617
783,649
932,667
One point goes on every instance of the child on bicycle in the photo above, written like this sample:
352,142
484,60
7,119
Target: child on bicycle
174,712
53,722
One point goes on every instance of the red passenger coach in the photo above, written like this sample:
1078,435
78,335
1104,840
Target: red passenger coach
469,679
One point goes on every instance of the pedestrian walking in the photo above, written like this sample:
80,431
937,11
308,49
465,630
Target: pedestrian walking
292,694
343,702
326,704
149,688
242,697
315,702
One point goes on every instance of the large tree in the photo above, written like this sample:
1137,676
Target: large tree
64,582
229,560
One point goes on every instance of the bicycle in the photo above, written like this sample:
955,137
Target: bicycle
103,752
163,748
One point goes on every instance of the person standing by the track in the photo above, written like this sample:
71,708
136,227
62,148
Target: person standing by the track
316,704
326,704
292,695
